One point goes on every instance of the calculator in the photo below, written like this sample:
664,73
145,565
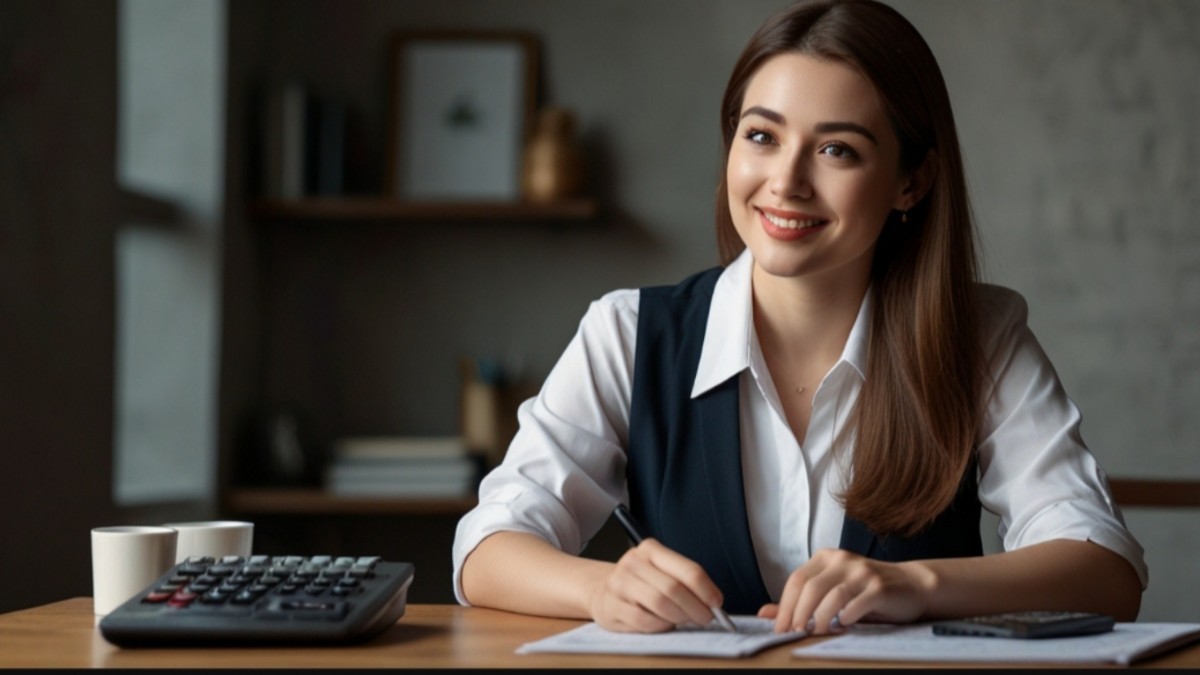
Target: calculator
1036,624
299,600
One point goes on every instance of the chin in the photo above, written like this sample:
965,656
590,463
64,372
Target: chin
780,265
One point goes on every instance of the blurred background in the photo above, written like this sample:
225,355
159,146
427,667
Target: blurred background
179,340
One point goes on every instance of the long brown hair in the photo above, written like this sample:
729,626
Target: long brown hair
916,418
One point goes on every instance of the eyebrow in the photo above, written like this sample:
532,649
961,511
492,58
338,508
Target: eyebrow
823,127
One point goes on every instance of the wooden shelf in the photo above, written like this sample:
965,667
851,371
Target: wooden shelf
314,501
377,208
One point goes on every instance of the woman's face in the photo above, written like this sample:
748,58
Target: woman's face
814,169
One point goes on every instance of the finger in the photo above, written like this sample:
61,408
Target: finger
642,584
768,611
624,608
787,601
811,596
684,581
861,605
637,620
662,593
829,607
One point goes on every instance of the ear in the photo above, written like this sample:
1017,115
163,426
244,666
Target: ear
917,183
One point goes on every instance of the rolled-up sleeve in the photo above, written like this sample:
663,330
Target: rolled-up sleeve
1036,473
565,469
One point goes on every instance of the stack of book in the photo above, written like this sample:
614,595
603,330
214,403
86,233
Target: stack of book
403,466
304,143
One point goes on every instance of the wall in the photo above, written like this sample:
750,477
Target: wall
1077,121
57,222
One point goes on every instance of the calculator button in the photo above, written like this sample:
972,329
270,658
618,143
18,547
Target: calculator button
156,597
214,597
245,598
182,599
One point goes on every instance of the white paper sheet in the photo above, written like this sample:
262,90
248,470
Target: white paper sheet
1128,642
754,634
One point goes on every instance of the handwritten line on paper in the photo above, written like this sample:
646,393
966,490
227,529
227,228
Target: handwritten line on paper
1126,643
753,635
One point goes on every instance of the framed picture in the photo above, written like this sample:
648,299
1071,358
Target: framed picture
461,107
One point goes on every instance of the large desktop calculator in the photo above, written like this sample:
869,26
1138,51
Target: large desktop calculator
264,599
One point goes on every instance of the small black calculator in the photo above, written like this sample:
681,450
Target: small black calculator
1038,624
301,600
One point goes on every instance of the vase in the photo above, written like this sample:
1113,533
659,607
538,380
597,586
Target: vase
553,161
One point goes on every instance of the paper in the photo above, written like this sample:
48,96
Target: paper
1128,642
753,635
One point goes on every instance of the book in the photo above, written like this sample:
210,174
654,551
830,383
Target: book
448,490
753,635
413,466
325,148
400,447
1125,644
285,137
379,471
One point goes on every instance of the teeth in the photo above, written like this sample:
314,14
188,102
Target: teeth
789,223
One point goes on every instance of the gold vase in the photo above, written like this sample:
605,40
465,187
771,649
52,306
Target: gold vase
553,161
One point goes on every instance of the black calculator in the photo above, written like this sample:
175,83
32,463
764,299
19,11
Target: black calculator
262,599
1033,624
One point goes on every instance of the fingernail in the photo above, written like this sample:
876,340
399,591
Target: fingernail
836,623
811,625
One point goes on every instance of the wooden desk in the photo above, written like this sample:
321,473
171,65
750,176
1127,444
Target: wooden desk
64,635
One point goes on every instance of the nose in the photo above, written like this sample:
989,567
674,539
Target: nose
792,179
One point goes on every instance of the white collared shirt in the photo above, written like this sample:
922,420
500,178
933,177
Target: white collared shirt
565,470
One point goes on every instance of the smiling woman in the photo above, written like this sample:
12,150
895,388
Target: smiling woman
842,388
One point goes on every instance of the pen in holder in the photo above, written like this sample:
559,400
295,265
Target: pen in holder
488,414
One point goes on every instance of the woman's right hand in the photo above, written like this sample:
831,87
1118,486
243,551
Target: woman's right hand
652,589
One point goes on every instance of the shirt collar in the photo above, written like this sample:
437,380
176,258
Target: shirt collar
729,333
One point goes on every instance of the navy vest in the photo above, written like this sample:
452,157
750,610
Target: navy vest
685,472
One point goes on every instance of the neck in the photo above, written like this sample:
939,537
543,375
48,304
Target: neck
805,318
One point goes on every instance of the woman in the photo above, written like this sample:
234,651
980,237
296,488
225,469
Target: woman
809,432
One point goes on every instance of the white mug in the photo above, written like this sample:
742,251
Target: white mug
126,559
213,539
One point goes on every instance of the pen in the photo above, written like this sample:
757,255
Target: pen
634,531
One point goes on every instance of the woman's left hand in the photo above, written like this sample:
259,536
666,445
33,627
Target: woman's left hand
836,589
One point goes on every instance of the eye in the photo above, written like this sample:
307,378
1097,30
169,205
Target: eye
838,150
758,137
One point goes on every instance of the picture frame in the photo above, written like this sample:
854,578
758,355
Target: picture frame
462,105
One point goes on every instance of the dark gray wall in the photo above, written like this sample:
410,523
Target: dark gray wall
58,214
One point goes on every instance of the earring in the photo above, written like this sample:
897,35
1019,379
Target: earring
904,216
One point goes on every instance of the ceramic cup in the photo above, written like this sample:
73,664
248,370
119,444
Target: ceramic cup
126,559
213,538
